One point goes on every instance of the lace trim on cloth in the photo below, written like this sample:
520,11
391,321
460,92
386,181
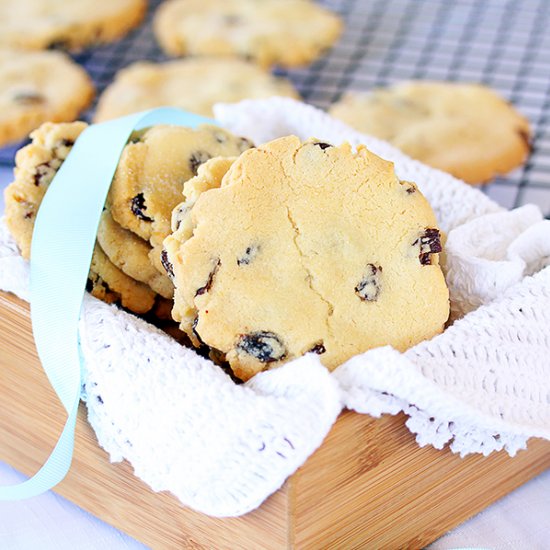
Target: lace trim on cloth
482,385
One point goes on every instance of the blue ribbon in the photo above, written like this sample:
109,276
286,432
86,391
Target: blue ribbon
61,252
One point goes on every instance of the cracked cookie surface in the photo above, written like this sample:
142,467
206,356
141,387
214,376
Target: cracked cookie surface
304,247
283,32
464,129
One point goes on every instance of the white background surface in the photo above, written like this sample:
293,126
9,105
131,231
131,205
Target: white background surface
519,521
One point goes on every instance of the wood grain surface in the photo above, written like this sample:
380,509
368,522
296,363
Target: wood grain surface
368,486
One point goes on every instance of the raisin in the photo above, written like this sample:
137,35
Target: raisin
264,346
249,254
62,149
29,98
196,159
203,289
368,288
323,145
410,188
89,285
429,242
58,44
245,144
232,19
166,264
318,348
138,206
43,174
220,137
29,215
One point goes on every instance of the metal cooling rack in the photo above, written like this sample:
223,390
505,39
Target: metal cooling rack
502,43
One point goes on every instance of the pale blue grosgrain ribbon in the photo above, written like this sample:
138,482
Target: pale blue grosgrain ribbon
61,252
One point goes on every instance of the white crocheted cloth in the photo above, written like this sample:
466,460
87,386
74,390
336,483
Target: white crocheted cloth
481,386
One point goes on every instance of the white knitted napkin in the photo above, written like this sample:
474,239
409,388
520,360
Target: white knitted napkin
482,385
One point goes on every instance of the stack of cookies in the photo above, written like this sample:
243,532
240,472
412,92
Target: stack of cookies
304,247
126,265
276,251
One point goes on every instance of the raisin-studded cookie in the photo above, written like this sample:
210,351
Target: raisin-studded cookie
283,32
146,85
41,24
153,168
305,247
464,129
36,165
37,87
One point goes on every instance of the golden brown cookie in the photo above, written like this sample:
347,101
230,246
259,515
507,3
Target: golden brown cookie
36,165
152,171
37,87
464,129
282,32
131,255
110,284
144,86
73,24
304,247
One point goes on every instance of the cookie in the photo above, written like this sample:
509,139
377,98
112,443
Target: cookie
144,86
209,176
48,24
110,284
131,255
37,87
283,32
464,129
305,247
149,179
36,165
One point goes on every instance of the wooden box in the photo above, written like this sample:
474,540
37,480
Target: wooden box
368,486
